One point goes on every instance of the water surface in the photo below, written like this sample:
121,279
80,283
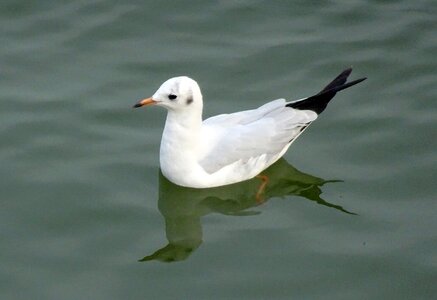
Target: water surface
82,198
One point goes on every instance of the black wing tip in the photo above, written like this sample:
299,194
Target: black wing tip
361,79
349,84
318,102
344,74
347,71
339,80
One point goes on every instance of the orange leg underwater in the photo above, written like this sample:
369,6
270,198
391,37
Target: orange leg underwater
259,194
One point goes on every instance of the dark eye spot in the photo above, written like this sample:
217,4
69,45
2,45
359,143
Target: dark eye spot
172,96
189,101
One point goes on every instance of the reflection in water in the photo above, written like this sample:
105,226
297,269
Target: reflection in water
183,207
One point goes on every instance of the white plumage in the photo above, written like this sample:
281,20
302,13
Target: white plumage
229,148
250,134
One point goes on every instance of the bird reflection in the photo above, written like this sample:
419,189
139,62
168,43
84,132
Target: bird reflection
183,207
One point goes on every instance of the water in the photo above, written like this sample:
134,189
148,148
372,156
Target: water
350,215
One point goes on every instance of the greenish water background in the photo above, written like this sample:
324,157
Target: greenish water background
79,168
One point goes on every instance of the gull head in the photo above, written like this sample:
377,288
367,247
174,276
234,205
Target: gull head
177,94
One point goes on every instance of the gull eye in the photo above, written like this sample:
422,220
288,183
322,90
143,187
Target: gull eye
172,96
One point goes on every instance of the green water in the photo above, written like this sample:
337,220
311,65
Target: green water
348,214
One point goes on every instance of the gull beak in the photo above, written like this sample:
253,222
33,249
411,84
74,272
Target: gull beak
144,102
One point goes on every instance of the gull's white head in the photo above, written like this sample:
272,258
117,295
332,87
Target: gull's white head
177,93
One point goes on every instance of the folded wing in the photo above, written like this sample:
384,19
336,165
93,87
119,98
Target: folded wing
248,135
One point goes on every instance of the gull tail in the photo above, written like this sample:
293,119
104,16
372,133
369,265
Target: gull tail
318,102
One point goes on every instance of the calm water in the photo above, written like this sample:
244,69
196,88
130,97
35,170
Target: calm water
349,213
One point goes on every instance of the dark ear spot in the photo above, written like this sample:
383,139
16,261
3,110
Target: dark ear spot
189,100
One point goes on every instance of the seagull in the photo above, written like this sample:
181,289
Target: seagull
230,148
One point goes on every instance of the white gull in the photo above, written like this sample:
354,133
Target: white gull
229,148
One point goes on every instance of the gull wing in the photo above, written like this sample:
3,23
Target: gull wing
248,135
265,133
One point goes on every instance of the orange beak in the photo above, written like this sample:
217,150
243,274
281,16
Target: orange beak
144,102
